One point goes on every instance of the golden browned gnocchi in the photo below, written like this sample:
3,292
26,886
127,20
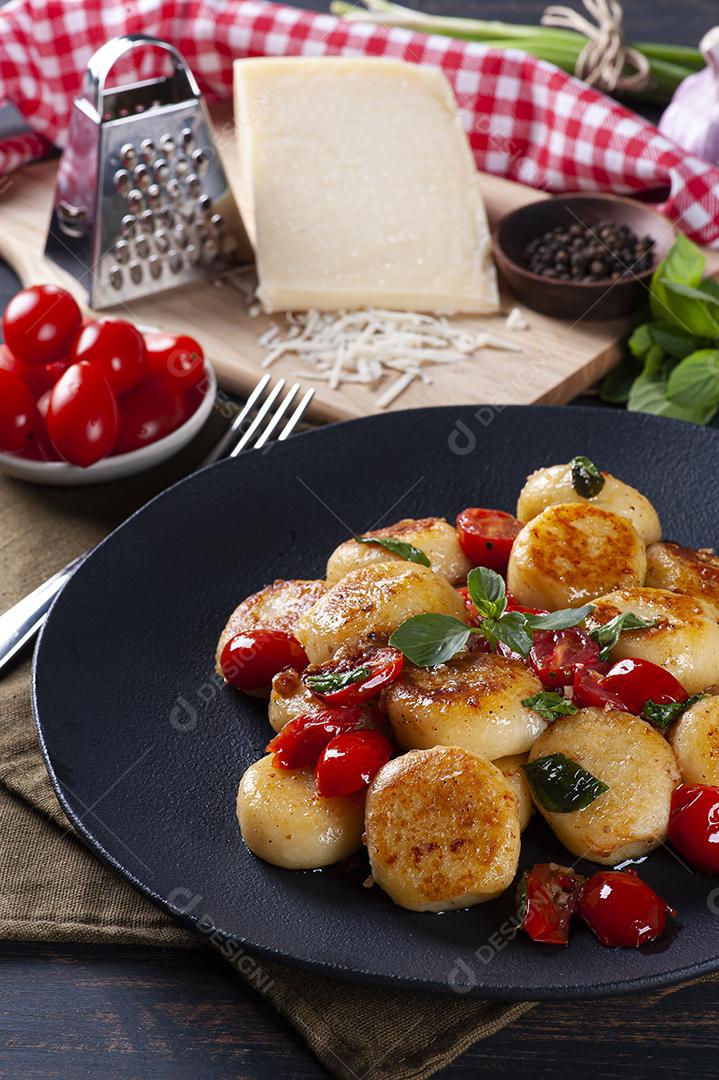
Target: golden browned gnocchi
547,487
434,536
695,741
640,769
684,570
442,829
512,768
289,698
572,552
473,701
278,606
685,640
284,822
370,603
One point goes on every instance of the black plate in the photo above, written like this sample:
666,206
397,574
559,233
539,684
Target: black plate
145,749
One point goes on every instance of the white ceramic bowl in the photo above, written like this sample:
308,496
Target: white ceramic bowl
62,474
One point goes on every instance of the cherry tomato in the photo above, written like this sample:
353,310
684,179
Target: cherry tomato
176,357
40,323
556,654
148,413
251,659
82,415
474,617
548,897
117,347
381,667
638,681
590,690
20,421
694,825
303,739
39,377
486,536
350,762
513,605
622,910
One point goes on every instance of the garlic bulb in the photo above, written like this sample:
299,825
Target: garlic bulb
692,118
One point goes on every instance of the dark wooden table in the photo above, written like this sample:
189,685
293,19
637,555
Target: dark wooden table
126,1013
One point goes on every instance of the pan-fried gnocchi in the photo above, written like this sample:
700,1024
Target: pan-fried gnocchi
371,602
640,771
435,537
572,552
473,701
442,830
685,639
422,714
547,487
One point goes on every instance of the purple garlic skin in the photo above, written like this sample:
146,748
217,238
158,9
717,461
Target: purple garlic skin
691,120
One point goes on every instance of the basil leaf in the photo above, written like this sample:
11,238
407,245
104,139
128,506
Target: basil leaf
693,310
640,341
511,629
648,395
607,636
587,480
430,639
397,547
663,716
560,620
335,680
684,263
550,705
560,785
673,341
694,383
710,286
487,592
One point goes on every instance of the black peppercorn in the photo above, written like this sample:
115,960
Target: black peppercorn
599,251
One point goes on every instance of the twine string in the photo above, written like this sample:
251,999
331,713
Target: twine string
605,61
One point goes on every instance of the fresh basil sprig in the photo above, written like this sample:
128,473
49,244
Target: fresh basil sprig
608,635
397,547
549,704
433,639
561,785
662,717
587,480
331,681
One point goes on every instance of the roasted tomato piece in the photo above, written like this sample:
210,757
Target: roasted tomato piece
590,690
622,910
350,762
351,678
636,682
556,654
548,896
513,605
251,659
486,536
694,825
303,739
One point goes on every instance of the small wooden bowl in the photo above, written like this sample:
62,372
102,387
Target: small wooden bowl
577,299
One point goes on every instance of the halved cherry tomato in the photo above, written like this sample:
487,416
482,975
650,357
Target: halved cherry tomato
175,357
694,825
251,659
590,690
82,415
486,536
382,667
20,422
40,323
513,605
622,910
118,349
556,654
148,413
637,681
38,377
548,897
303,739
350,762
474,617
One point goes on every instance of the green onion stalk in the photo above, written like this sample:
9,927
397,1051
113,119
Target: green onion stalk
669,64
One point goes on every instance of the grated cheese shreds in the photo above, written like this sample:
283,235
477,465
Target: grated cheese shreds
369,346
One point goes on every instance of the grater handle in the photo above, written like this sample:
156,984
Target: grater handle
102,62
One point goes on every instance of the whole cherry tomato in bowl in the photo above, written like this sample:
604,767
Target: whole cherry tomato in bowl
40,324
148,413
39,378
118,349
20,421
177,358
82,415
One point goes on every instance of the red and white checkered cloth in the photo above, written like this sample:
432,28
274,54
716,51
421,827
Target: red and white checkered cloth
525,119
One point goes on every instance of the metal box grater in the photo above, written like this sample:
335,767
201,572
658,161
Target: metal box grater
142,202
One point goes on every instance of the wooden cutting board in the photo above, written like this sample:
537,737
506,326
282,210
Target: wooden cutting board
555,363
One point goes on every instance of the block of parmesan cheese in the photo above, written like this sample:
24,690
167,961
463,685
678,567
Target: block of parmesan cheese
359,181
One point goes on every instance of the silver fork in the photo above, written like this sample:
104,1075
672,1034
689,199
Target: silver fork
20,623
